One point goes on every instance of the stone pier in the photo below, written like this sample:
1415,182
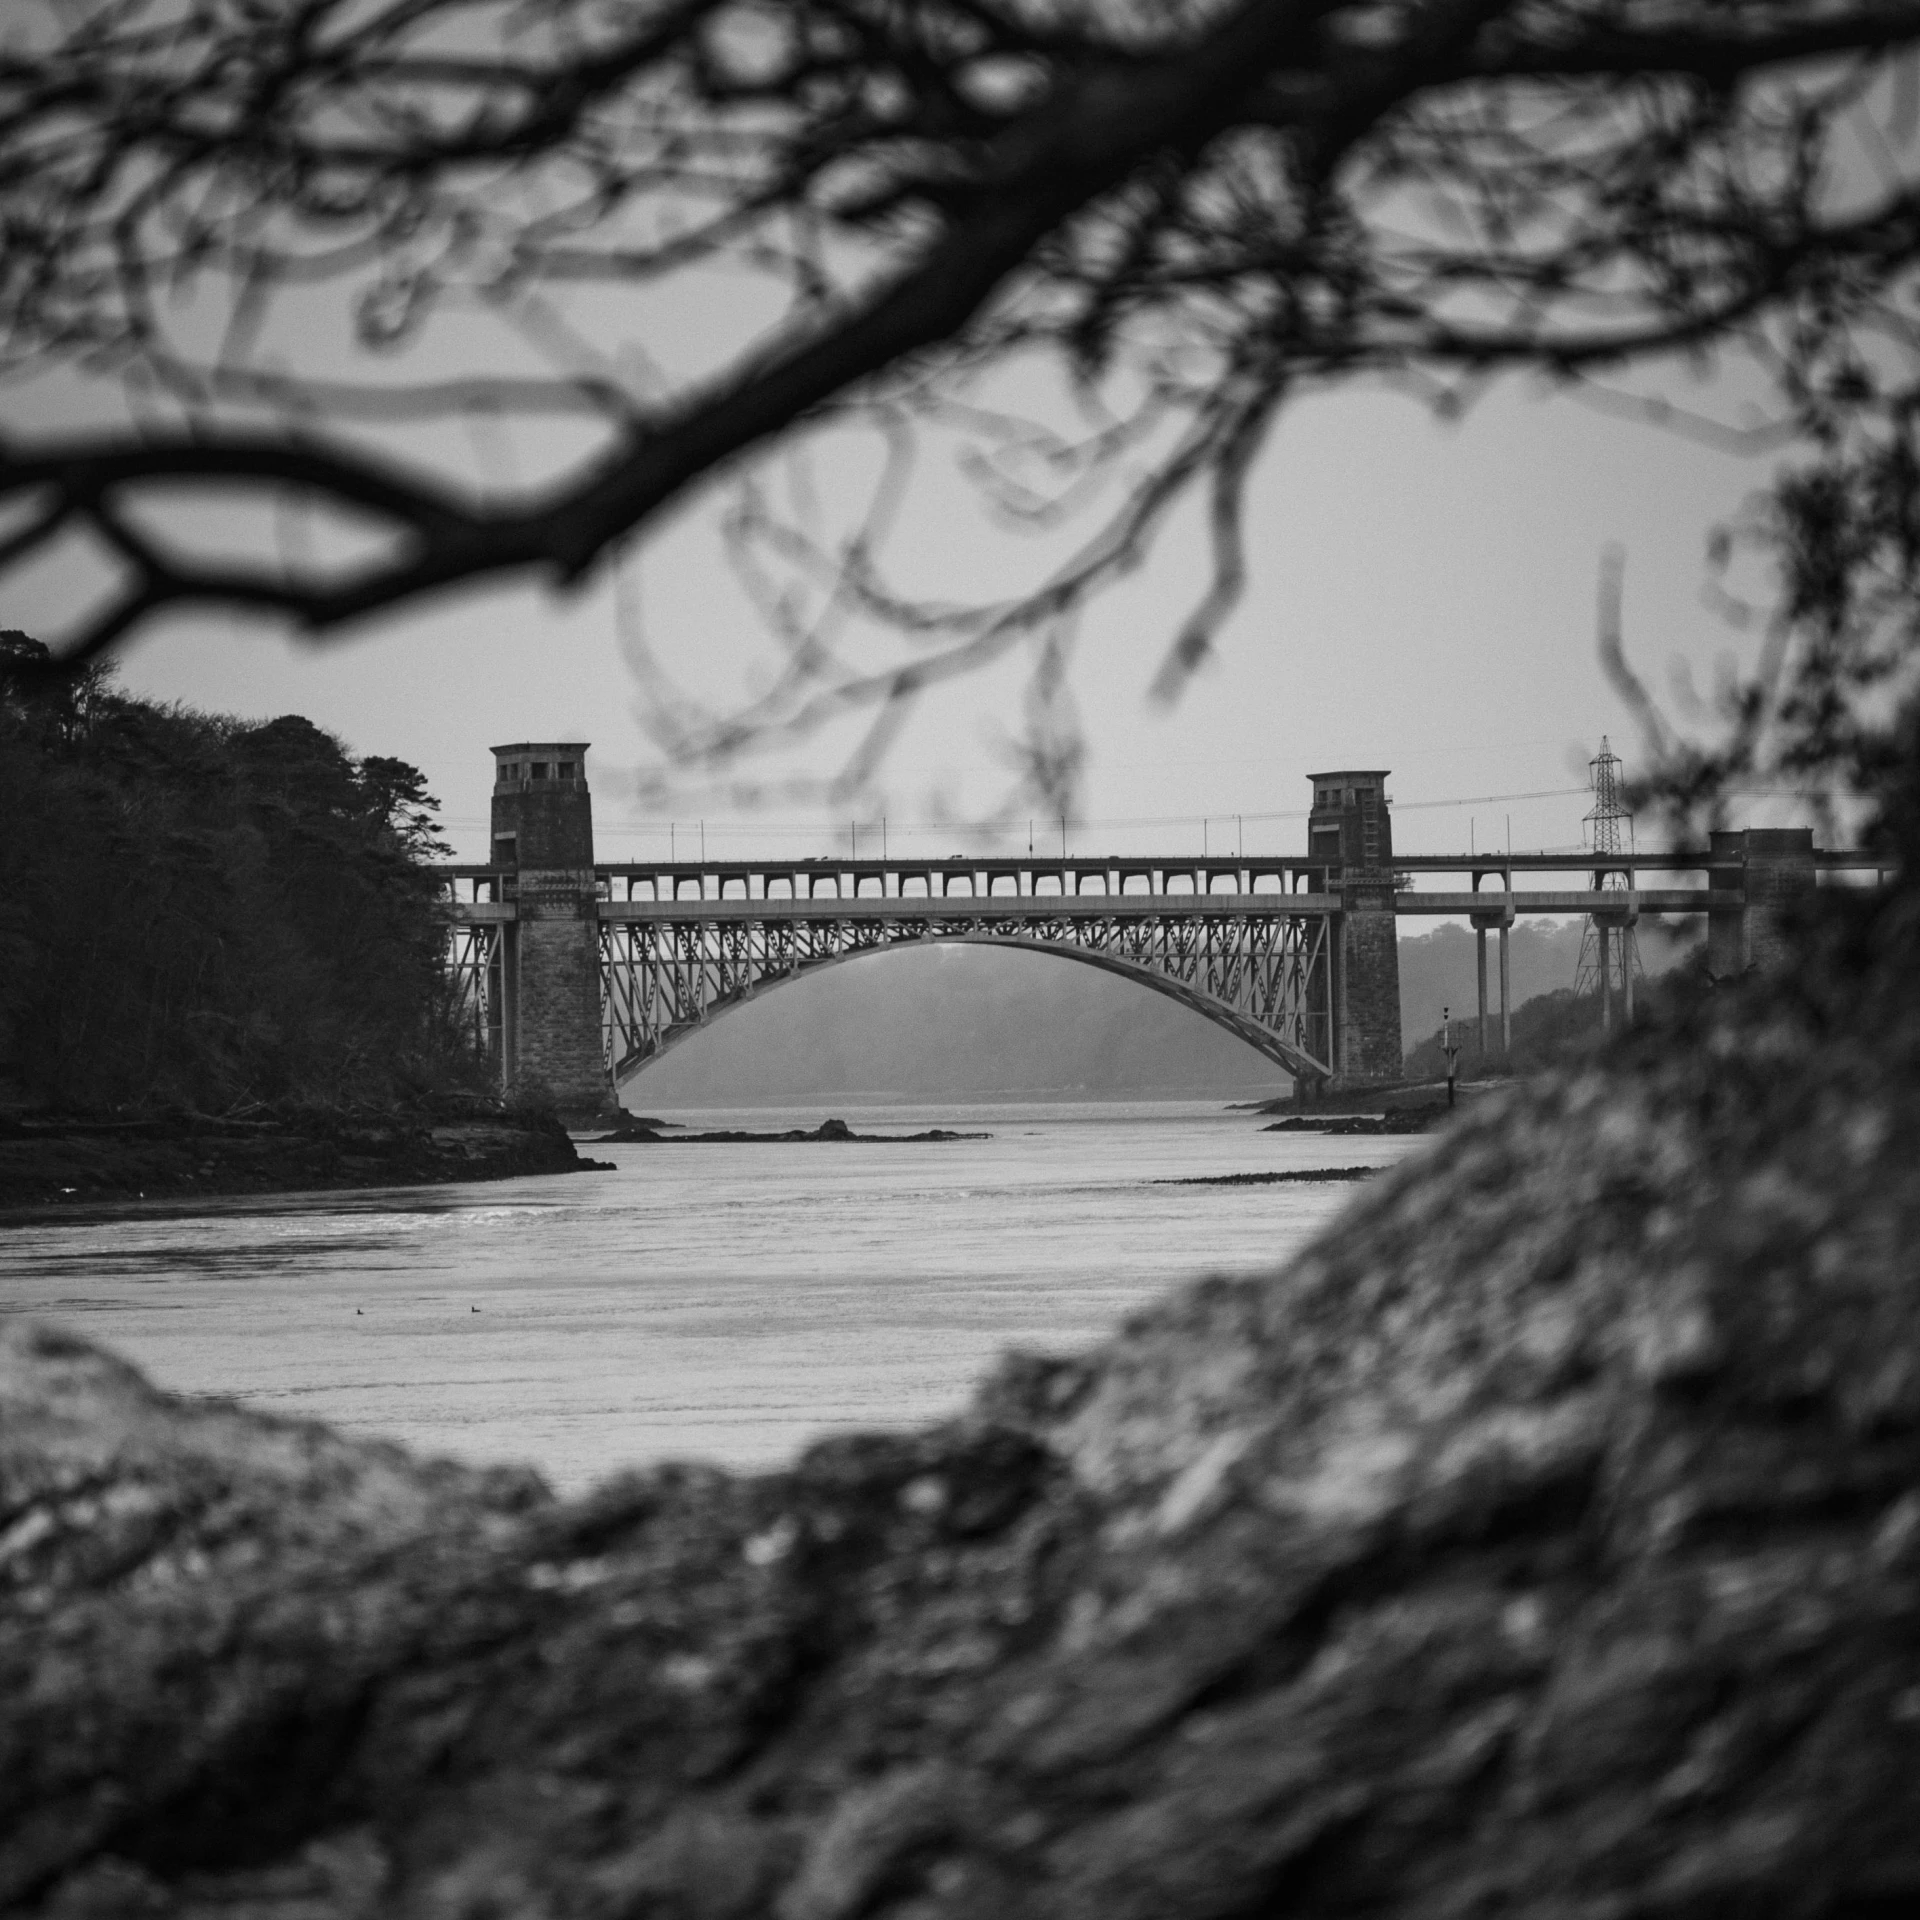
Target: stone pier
1351,832
552,1052
1770,867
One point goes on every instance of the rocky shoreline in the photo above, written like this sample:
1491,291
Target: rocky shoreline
55,1163
1405,1120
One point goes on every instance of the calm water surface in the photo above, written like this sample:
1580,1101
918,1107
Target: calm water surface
725,1302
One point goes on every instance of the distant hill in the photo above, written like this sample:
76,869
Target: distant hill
944,1022
1438,969
1546,1030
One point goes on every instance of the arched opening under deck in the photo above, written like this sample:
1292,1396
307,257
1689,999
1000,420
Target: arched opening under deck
973,1017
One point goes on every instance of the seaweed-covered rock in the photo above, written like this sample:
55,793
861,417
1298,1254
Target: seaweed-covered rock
1545,1541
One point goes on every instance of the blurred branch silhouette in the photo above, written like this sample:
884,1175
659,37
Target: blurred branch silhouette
316,254
1829,710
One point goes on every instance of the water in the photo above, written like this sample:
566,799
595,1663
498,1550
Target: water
720,1302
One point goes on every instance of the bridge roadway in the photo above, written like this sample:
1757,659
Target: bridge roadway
957,907
881,889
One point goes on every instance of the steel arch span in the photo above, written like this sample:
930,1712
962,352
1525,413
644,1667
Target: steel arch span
1263,976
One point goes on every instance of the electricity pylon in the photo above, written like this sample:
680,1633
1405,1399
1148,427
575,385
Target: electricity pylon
1610,947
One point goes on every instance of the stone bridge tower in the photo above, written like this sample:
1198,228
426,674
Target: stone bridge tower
1350,833
551,1051
1769,869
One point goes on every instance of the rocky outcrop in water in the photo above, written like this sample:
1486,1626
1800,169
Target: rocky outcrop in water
1546,1541
639,1131
1403,1120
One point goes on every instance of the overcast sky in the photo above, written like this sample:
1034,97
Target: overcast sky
1422,599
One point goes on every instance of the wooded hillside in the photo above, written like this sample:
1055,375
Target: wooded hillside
205,912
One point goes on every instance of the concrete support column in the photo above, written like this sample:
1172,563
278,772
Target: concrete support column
1506,1011
1613,924
1480,956
1499,919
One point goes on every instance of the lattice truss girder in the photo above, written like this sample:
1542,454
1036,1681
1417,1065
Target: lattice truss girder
1267,972
471,955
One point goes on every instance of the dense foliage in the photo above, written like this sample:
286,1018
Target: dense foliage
207,912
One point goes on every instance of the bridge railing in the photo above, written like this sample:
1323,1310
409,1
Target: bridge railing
924,880
1109,877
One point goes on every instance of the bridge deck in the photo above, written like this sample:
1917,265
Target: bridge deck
1073,874
1046,906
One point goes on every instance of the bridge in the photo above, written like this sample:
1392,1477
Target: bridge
574,973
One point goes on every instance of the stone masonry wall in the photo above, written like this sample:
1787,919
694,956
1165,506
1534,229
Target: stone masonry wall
1773,867
1370,979
552,824
1779,873
560,1061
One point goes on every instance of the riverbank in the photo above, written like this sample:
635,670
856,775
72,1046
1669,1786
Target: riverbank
71,1162
1402,1106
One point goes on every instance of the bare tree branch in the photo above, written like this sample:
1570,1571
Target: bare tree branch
1189,209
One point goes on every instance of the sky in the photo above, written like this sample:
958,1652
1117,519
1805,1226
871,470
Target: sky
1422,598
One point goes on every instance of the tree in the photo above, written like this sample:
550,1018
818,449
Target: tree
202,911
63,706
1191,208
399,805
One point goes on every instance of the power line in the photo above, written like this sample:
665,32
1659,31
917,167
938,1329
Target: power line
1487,799
764,827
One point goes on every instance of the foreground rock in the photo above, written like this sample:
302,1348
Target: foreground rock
46,1165
1546,1541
